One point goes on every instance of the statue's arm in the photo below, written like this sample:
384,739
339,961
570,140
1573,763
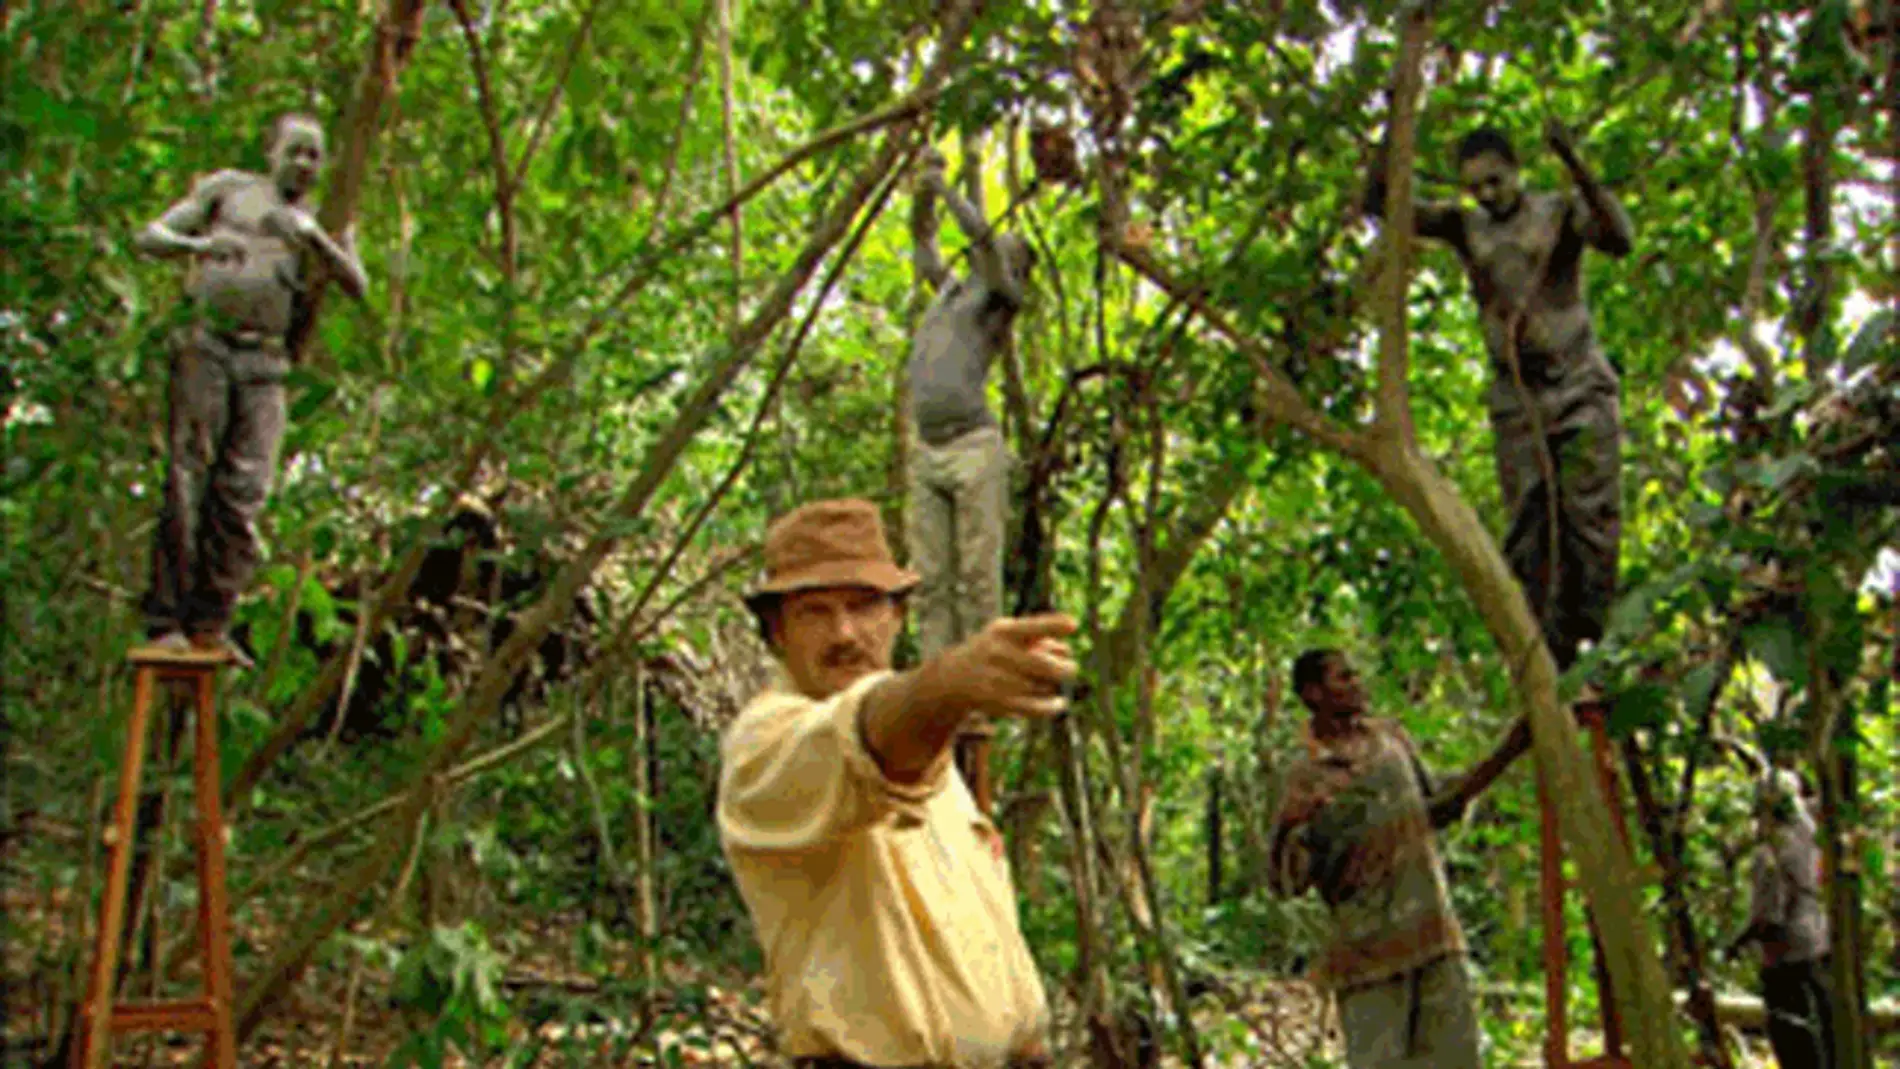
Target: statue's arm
1599,219
925,254
984,257
180,231
340,257
1439,220
1594,211
340,261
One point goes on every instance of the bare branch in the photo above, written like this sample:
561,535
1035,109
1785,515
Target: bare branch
730,124
1393,408
1278,397
538,132
396,37
671,173
497,154
1767,198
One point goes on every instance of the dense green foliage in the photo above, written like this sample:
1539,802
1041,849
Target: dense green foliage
534,159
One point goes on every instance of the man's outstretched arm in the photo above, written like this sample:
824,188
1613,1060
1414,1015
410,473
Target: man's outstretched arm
1014,667
1450,804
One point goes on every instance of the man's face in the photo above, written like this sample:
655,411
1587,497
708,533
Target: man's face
296,159
828,639
1492,182
1338,692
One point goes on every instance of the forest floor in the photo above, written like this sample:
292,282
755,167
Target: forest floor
704,1019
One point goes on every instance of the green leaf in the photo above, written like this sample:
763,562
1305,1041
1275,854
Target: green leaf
1774,644
1646,705
1697,685
310,399
1778,474
1874,341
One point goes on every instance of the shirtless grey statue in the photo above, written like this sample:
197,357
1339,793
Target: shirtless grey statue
959,466
1523,252
959,471
247,235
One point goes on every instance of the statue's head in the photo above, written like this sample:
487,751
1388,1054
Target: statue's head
1779,797
296,155
1018,258
1487,166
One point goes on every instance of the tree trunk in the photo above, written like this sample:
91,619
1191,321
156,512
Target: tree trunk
1831,719
1605,869
1214,844
1686,950
645,754
390,47
1091,968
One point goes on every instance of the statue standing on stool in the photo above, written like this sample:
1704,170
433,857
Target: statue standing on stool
1553,396
959,467
247,236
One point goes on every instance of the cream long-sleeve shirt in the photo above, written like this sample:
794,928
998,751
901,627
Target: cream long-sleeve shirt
885,909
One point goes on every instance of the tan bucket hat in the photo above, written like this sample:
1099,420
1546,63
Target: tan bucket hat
828,544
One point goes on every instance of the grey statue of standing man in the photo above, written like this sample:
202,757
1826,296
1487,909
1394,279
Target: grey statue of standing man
959,472
247,235
1523,252
959,465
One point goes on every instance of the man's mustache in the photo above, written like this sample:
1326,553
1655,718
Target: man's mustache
845,657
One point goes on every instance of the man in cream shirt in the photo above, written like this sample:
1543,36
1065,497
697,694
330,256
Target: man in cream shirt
878,890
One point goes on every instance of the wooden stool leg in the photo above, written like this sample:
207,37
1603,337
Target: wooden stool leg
1613,797
213,914
90,1051
1556,955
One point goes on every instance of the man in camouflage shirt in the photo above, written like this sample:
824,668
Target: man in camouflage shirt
1356,825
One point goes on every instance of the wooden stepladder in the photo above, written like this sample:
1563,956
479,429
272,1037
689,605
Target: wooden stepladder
1593,717
196,671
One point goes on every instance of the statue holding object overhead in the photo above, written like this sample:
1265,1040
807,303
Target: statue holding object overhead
959,472
247,236
959,464
1553,395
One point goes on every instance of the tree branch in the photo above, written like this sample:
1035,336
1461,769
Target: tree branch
1392,411
671,173
497,154
1276,394
538,131
1760,360
730,127
395,39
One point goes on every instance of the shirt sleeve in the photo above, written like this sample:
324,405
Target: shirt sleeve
795,774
